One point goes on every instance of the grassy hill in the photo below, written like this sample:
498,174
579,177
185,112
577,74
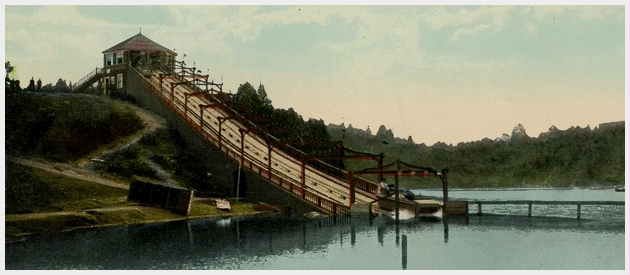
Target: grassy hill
64,127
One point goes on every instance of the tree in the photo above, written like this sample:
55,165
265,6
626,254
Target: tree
250,101
61,86
11,85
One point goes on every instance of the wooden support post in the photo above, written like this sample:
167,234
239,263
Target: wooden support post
479,209
200,117
579,210
396,191
380,167
352,188
530,210
219,138
444,193
302,174
186,108
172,92
268,160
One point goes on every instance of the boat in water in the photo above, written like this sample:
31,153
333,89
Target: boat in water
410,209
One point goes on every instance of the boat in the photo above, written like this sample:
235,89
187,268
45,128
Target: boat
620,189
410,209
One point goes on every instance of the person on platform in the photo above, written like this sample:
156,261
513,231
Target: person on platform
383,188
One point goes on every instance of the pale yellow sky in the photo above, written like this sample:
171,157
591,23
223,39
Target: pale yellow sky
437,73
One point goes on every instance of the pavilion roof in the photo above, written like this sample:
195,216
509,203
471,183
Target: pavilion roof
139,42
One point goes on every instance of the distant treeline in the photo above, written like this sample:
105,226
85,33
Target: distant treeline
573,157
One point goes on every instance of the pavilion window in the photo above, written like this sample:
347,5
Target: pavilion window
119,81
109,59
119,58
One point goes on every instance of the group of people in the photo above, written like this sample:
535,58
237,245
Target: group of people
385,189
31,85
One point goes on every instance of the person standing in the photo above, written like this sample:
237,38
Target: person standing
31,85
384,188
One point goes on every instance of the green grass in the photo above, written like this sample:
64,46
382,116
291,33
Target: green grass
30,190
45,223
203,209
50,192
58,203
129,213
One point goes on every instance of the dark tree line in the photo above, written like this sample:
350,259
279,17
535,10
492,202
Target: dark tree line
573,157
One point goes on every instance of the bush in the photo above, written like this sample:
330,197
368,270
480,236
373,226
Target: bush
62,127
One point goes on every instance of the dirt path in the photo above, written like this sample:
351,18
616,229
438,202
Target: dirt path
84,168
151,122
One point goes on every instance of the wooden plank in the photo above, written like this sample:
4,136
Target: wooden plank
223,204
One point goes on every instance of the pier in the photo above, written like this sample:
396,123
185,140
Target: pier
462,207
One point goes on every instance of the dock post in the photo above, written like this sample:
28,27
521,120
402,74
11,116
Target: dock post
444,191
530,210
579,210
478,209
396,191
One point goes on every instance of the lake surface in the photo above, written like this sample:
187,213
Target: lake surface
552,239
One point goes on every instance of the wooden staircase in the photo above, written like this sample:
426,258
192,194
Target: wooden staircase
87,80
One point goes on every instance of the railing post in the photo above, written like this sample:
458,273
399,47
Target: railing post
269,148
302,174
352,186
530,210
579,210
172,92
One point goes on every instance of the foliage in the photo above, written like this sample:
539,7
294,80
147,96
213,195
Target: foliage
23,190
10,85
127,163
304,137
64,127
165,147
574,157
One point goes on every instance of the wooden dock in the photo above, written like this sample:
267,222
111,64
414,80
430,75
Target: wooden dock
462,207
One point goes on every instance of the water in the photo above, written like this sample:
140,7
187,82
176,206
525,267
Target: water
488,242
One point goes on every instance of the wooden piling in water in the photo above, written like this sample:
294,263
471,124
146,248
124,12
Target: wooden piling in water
404,252
530,204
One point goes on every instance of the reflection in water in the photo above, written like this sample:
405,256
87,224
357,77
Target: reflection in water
445,229
404,252
268,243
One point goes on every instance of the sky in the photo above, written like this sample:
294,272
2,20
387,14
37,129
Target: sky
435,73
